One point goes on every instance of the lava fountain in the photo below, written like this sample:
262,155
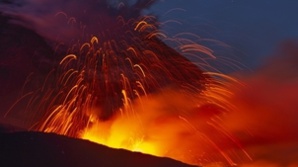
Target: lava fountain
120,85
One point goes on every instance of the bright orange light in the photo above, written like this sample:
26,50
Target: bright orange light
169,124
120,137
136,93
120,85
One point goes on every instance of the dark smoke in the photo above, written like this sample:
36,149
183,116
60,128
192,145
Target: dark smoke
68,21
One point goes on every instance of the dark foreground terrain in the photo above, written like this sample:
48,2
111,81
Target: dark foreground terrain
45,149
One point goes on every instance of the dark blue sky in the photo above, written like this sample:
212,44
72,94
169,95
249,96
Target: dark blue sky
253,28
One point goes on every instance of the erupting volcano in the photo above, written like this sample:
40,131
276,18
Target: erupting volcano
101,71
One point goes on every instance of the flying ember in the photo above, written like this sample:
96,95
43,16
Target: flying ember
113,80
120,85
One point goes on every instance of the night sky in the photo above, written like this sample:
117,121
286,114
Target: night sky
252,28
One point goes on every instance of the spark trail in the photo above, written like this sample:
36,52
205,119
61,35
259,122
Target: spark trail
120,85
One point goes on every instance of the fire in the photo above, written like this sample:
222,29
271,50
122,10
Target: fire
172,123
154,123
134,92
124,88
121,134
152,120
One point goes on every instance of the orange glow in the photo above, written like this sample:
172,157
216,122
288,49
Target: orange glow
170,124
169,107
136,93
120,135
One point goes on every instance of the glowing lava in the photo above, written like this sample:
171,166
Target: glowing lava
121,86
